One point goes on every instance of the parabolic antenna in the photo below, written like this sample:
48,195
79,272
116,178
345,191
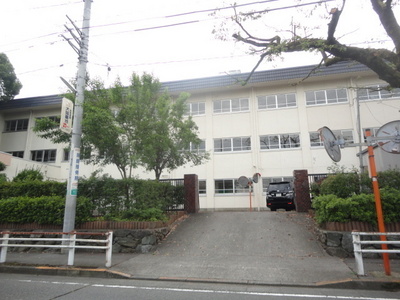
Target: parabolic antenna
331,147
243,181
390,130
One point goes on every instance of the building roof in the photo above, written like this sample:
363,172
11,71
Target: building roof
214,82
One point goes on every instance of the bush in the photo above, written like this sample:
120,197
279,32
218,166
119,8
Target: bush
3,166
389,179
42,210
32,189
342,185
148,214
330,208
28,175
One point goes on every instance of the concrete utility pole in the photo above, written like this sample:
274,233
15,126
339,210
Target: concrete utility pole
74,157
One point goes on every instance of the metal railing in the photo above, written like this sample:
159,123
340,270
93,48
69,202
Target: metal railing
358,251
67,241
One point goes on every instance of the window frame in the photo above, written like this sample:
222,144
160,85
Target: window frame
192,112
276,141
45,155
16,125
275,99
234,105
380,89
324,97
231,144
232,189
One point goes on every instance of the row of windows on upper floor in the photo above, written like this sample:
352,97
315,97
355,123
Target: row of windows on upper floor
269,142
279,101
233,144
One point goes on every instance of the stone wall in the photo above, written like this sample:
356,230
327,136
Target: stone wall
340,243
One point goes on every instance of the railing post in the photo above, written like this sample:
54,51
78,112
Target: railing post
109,249
358,253
71,250
4,247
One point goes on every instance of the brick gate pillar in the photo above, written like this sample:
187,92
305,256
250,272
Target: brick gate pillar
302,190
191,183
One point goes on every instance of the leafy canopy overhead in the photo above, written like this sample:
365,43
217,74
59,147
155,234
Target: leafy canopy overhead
297,37
9,83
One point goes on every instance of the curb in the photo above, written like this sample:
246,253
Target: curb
359,284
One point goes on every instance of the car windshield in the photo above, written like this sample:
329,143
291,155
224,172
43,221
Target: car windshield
283,187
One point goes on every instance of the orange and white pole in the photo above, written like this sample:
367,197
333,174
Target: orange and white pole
378,203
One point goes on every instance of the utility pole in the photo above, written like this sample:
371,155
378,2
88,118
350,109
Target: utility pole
74,158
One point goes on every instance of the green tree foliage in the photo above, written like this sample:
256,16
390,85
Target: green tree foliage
9,83
135,125
300,38
28,175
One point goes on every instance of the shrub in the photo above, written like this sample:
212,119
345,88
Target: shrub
342,185
148,214
3,166
42,210
28,175
389,179
32,189
330,208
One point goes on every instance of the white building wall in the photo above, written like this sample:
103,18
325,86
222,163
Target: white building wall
254,123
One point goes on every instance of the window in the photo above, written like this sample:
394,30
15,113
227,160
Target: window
17,125
66,155
276,101
373,130
55,119
280,141
231,105
315,139
326,97
198,148
196,109
202,187
232,144
19,154
44,155
229,186
376,92
347,135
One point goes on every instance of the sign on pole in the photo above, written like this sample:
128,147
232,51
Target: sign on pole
67,111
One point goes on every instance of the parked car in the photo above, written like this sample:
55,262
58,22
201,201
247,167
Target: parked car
280,195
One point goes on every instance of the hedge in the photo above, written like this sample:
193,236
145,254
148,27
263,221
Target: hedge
32,189
42,210
331,208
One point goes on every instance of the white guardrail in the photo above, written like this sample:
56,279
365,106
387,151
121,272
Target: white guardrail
358,251
68,240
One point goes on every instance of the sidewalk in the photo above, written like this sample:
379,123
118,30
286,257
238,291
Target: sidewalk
273,249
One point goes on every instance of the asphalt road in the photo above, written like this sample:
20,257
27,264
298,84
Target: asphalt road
20,286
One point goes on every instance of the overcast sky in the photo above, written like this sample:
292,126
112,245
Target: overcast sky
172,39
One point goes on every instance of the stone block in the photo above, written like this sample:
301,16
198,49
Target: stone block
144,248
149,240
333,239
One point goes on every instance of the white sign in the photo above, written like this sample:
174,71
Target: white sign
67,111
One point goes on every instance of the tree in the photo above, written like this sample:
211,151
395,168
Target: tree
385,63
9,83
131,126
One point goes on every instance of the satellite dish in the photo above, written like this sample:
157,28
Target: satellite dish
243,181
330,144
390,130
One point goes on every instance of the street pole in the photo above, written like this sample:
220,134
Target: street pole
74,158
378,202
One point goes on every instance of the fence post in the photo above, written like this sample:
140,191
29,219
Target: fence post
109,249
358,253
191,183
4,247
71,250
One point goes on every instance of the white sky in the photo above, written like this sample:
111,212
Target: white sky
30,36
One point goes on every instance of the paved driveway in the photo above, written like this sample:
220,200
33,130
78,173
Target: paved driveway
268,247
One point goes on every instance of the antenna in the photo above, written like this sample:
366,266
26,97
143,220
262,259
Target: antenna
331,144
